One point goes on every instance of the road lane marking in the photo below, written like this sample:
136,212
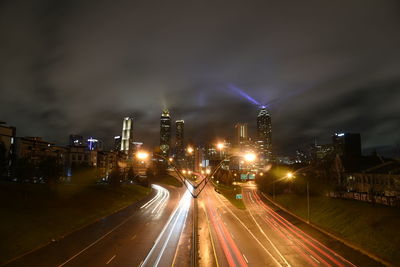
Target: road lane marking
258,241
269,240
111,259
103,236
244,256
133,237
212,240
163,231
314,259
182,209
180,234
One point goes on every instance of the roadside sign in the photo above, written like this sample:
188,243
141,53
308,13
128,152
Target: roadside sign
239,196
243,176
252,176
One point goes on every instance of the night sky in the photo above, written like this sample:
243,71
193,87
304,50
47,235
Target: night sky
320,66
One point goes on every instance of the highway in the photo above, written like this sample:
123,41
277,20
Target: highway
261,236
146,233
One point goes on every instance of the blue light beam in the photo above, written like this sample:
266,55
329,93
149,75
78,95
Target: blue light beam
237,90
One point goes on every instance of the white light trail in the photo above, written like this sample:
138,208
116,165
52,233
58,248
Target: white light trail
160,191
181,210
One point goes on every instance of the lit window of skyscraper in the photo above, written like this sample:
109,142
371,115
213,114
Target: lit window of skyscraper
264,132
127,135
165,132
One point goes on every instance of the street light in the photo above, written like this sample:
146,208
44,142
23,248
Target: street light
190,150
142,155
289,175
250,157
170,159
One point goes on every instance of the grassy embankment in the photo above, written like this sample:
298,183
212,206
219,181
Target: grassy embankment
372,227
32,215
166,179
230,192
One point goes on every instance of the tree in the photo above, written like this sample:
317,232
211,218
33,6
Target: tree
131,173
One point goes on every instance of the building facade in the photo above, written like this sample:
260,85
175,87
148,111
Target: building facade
264,135
180,138
241,135
347,144
127,136
165,132
7,143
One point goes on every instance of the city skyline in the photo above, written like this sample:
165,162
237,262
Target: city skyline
200,133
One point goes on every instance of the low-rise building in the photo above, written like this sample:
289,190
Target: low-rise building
7,141
80,155
106,162
371,178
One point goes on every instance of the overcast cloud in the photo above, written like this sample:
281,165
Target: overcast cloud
80,66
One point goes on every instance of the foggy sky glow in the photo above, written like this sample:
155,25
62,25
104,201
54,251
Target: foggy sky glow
321,67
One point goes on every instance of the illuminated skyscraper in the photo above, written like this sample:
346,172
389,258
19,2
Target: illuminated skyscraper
127,135
165,132
264,129
241,134
179,135
117,143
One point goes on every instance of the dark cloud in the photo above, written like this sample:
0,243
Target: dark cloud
80,67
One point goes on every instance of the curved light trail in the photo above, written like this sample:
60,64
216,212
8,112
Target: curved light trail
165,246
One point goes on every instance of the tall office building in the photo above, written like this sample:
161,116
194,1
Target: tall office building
264,134
127,135
180,138
241,135
165,132
117,143
347,144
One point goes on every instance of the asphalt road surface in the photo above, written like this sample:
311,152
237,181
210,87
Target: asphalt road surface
127,238
263,236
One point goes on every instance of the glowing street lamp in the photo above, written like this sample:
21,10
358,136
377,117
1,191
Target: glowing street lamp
190,150
220,146
184,171
208,171
142,155
289,175
250,157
